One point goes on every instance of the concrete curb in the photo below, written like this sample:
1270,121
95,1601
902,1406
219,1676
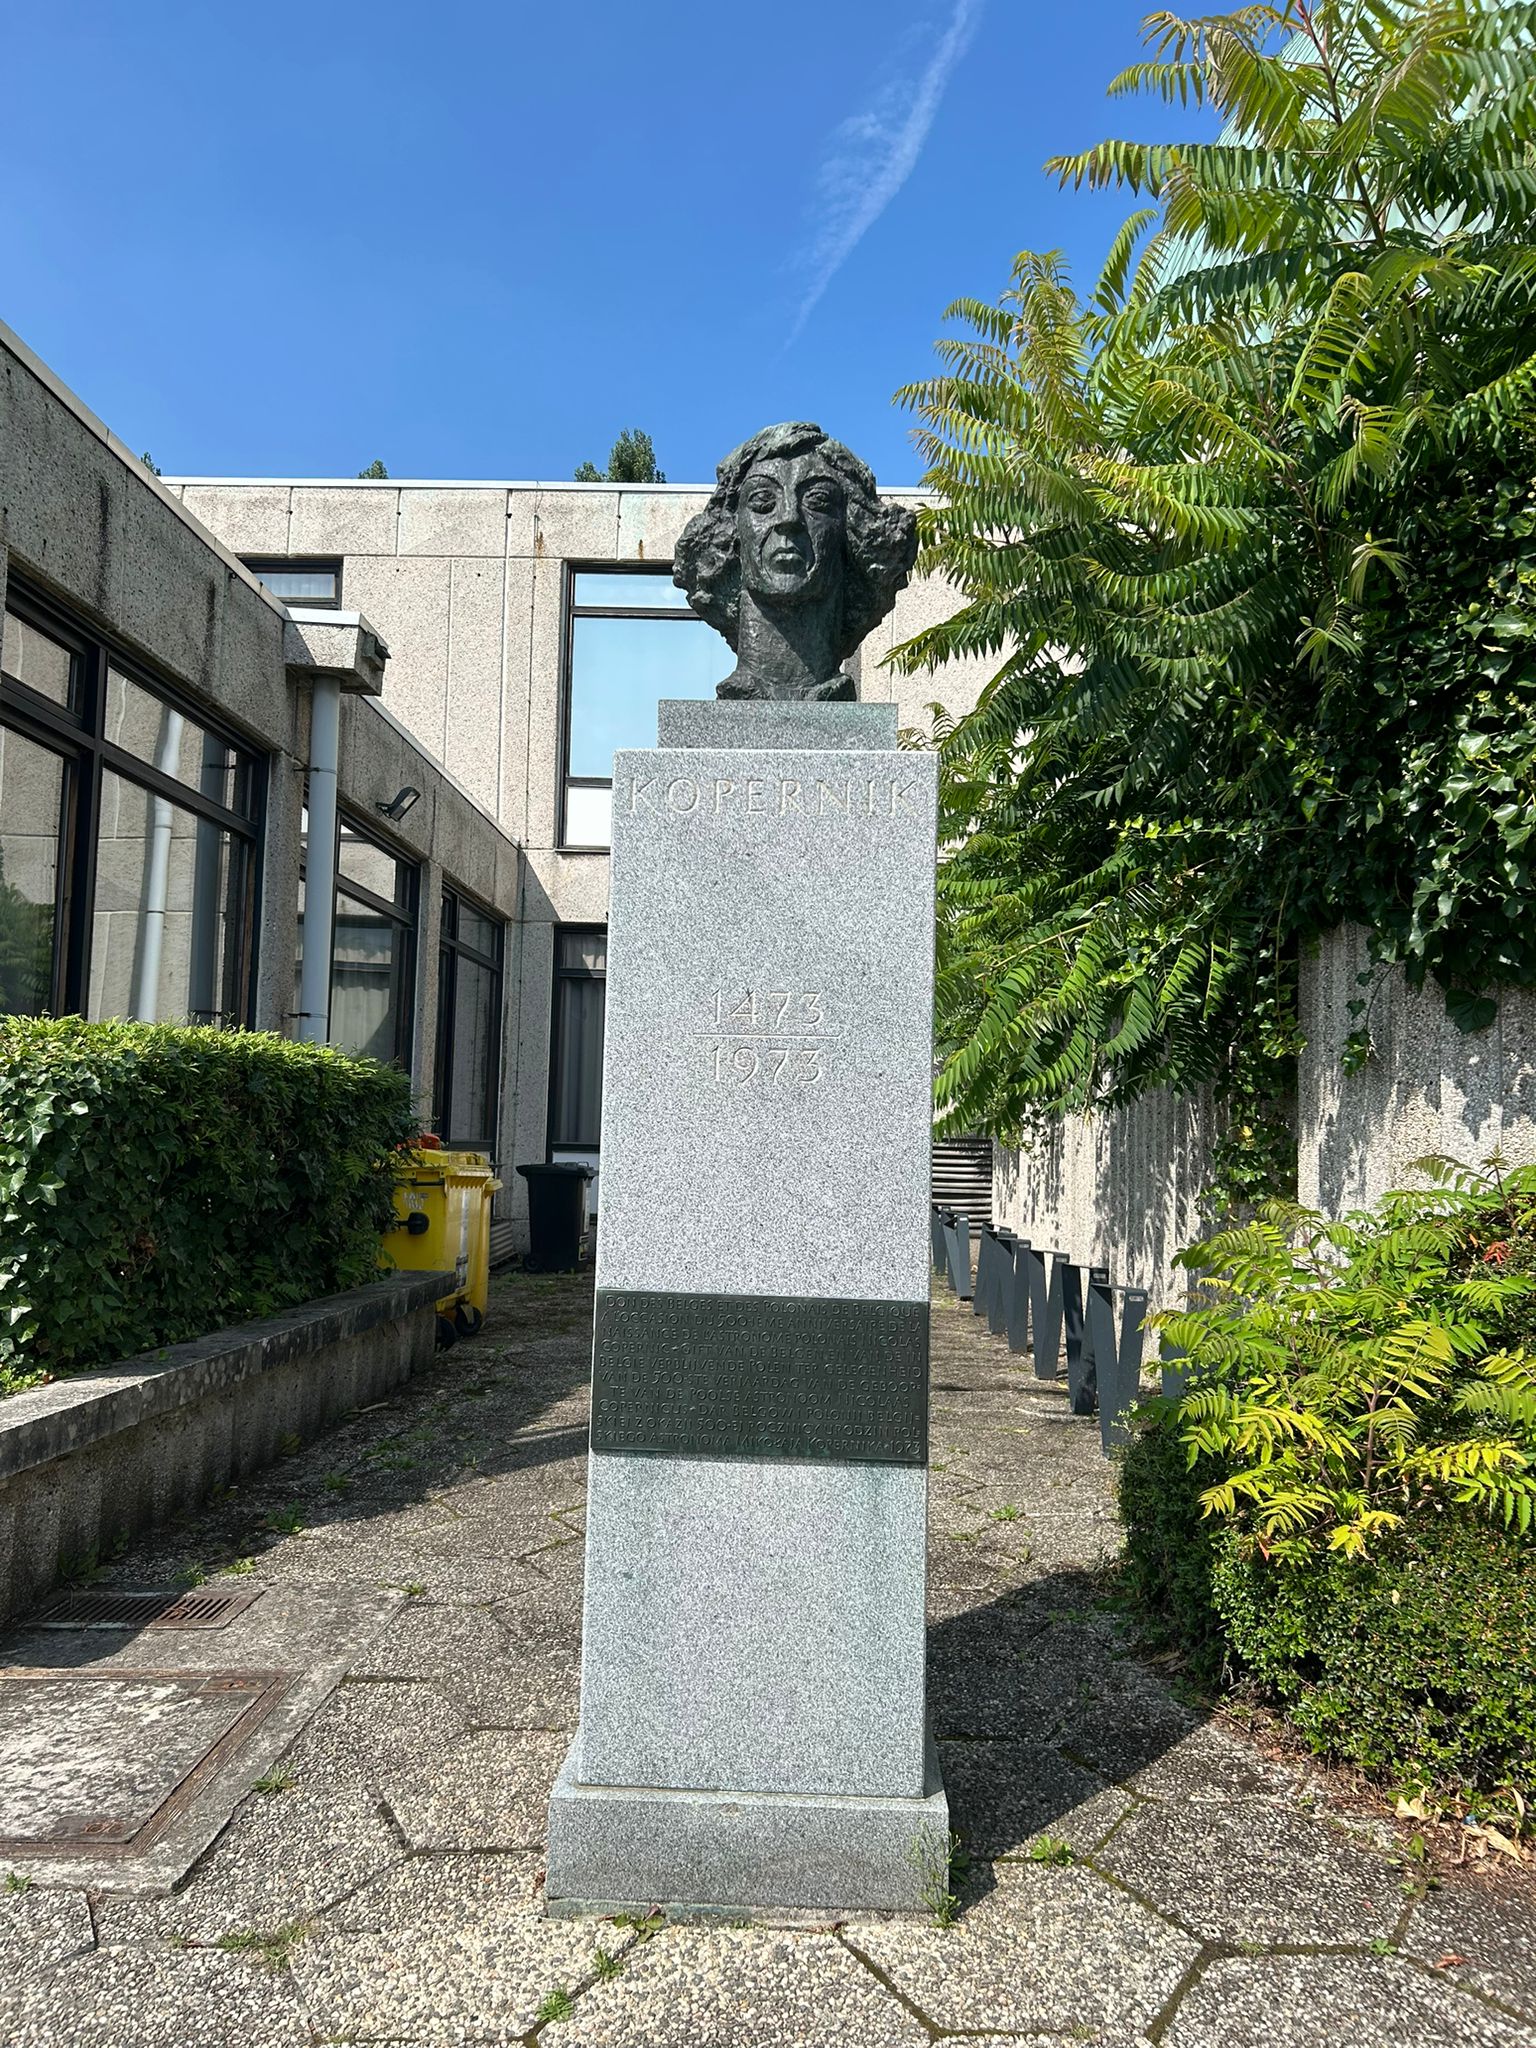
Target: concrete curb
89,1461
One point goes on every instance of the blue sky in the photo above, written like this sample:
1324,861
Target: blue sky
479,239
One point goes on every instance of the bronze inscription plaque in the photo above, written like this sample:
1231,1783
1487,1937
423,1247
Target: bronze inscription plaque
758,1376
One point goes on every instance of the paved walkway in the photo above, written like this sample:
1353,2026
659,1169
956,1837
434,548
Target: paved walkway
1135,1875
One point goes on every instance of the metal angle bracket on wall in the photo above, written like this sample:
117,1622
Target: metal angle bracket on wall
982,1289
1017,1316
1000,1293
937,1219
1175,1364
957,1243
1117,1362
1045,1310
1082,1377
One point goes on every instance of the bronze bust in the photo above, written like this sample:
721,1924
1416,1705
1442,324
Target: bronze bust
794,559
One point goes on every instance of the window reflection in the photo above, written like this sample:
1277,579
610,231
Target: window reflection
32,783
369,998
166,928
622,668
29,655
175,744
576,1108
468,1025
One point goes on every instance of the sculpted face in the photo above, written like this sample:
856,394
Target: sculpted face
791,522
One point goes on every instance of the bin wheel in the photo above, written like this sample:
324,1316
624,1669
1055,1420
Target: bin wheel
447,1335
467,1319
417,1223
531,1264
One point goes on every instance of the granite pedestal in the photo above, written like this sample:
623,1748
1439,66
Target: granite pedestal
752,1729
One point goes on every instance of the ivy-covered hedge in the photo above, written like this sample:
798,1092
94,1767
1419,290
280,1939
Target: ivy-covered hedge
161,1182
1416,1663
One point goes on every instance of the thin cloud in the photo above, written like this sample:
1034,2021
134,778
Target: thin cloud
872,154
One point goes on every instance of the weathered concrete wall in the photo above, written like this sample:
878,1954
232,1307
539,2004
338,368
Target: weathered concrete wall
86,1463
1119,1190
1426,1088
1123,1188
85,523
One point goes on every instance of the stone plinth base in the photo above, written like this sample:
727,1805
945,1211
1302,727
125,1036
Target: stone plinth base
622,1848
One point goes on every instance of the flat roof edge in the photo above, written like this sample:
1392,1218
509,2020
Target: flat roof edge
55,385
438,483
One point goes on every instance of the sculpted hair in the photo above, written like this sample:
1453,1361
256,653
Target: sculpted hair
882,538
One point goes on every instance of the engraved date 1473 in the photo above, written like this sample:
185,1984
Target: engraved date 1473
770,1035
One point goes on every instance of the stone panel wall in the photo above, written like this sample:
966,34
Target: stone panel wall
1122,1188
1426,1088
1119,1190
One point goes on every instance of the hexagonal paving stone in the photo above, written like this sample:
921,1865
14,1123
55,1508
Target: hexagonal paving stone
489,1791
428,1638
282,1858
1045,1949
482,1890
1213,1761
692,1987
1331,2001
1493,1929
433,1984
1003,1795
370,1727
536,1689
39,1929
1252,1870
160,1998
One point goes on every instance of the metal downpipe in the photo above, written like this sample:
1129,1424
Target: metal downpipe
314,1012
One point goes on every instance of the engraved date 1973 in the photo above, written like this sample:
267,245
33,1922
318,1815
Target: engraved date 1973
771,1035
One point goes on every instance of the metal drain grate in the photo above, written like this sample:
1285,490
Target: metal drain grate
146,1610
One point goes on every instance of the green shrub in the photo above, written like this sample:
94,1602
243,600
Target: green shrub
160,1182
1170,1545
1345,1375
1339,1507
1416,1663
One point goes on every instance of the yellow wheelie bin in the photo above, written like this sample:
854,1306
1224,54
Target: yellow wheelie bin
443,1224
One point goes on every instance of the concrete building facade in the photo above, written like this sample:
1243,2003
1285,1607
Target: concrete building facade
155,742
532,628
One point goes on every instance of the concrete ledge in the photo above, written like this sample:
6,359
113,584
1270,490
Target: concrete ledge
699,1854
87,1462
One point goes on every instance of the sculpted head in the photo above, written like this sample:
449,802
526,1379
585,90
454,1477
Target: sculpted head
795,522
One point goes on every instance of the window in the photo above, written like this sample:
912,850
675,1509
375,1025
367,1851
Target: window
632,641
373,946
576,1053
33,780
468,1026
298,582
129,828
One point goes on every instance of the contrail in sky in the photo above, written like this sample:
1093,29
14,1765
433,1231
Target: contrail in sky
871,155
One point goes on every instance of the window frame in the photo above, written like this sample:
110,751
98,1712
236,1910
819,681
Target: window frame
559,975
407,915
570,612
451,949
78,733
299,565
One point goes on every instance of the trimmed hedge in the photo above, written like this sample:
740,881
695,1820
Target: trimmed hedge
1416,1663
159,1182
